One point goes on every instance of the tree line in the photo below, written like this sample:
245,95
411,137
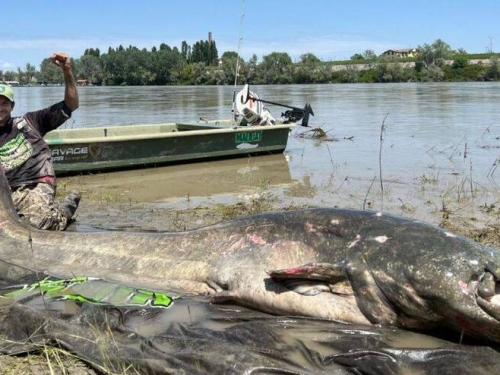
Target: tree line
200,64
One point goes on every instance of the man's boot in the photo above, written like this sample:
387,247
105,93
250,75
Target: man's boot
70,203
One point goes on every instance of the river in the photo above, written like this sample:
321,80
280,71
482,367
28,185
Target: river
409,148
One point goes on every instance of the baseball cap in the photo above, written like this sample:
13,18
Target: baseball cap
6,90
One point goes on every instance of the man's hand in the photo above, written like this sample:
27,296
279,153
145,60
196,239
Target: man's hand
61,59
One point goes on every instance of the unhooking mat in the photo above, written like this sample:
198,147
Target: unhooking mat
113,328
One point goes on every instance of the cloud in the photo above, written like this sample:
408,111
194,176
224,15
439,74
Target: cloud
7,65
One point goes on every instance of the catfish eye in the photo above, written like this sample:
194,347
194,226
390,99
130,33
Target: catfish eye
487,286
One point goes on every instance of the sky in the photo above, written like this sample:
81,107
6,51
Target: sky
329,29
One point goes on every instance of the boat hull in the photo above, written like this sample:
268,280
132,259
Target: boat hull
135,146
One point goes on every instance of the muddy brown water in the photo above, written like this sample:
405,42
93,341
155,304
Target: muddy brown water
415,149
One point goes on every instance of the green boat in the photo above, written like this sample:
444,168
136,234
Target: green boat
135,146
252,131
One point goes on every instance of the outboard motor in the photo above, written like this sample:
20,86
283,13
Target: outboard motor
249,105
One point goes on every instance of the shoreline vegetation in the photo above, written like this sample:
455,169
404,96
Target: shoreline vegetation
200,64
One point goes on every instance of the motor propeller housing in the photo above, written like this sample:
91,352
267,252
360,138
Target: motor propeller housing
297,114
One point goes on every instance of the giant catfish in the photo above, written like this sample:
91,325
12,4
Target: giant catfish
346,265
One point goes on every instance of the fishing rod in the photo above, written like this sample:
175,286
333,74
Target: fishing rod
237,68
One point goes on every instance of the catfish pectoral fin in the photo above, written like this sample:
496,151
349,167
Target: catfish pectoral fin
314,271
371,301
212,284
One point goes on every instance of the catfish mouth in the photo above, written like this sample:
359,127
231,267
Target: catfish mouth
488,293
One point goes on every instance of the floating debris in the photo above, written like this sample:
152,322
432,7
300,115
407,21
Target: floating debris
319,134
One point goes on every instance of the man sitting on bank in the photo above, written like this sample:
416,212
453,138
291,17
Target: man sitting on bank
26,158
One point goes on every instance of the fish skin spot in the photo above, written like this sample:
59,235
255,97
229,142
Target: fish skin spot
310,227
256,239
381,239
463,286
448,234
353,243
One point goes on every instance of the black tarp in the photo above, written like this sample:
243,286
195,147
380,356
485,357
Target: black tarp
193,336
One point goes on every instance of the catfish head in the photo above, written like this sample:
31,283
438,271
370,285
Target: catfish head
409,274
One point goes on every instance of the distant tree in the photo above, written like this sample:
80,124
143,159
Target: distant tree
89,67
432,73
249,69
370,58
30,73
213,54
322,74
229,55
309,59
302,74
229,59
431,60
10,75
348,75
276,61
198,52
460,62
274,68
204,51
435,54
92,52
165,47
49,73
186,51
200,76
200,64
369,55
493,71
253,60
390,71
168,66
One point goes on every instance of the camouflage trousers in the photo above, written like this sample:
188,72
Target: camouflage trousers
36,205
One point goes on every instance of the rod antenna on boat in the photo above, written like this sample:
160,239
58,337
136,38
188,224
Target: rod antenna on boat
237,68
